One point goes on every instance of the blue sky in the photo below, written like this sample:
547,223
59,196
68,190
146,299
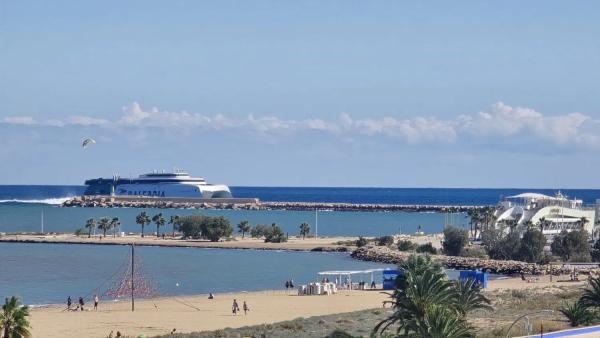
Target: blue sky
323,93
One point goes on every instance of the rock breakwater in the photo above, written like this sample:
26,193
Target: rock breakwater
252,204
386,255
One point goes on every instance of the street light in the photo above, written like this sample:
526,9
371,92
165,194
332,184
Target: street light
527,316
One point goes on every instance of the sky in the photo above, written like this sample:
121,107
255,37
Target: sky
303,93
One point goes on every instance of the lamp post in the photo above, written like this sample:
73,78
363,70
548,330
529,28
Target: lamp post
545,311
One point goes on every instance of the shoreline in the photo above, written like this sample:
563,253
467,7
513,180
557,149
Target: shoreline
294,243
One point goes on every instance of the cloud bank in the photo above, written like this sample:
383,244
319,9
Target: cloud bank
500,122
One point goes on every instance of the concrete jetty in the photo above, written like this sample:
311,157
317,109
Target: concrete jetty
251,204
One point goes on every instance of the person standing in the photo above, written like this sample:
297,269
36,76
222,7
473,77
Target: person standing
81,303
69,302
246,308
235,307
96,300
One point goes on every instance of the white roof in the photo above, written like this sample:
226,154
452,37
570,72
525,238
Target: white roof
349,272
534,195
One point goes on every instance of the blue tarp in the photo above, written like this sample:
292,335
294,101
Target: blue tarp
389,279
480,277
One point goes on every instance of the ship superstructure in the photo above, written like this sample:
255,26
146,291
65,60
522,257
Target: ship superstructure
177,184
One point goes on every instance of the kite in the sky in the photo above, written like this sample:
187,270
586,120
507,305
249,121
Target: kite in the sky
87,142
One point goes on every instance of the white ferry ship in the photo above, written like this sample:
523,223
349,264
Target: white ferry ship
176,184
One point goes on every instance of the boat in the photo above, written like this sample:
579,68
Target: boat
178,184
551,214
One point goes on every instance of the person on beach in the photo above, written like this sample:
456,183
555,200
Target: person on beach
96,300
69,302
235,307
210,296
291,283
81,303
373,286
287,284
246,308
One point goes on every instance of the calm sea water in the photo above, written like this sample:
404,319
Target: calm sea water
48,273
22,208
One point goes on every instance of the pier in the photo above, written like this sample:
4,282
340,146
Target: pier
252,204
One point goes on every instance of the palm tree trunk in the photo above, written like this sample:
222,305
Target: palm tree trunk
142,231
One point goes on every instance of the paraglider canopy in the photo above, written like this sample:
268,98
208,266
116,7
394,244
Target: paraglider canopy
87,142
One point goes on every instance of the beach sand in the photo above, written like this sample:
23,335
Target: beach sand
197,313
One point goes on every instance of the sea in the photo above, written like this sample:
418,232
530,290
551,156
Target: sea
48,273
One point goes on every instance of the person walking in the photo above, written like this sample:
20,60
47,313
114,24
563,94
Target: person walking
235,307
69,302
246,308
96,300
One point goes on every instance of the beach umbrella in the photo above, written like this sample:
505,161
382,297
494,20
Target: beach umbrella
87,142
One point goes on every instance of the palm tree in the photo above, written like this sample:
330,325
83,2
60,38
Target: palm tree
159,220
174,220
304,229
583,221
542,223
244,227
427,304
591,294
13,319
577,314
440,321
114,224
90,224
142,219
104,225
469,297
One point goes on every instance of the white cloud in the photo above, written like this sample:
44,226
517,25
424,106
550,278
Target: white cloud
85,121
19,120
500,122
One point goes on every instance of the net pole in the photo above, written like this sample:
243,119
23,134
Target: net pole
132,285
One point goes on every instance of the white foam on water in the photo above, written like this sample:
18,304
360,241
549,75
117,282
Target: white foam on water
53,201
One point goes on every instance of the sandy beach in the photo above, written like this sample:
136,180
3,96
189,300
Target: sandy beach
237,242
197,313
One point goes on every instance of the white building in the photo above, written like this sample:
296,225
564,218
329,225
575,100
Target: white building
550,213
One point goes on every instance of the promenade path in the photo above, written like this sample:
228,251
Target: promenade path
584,332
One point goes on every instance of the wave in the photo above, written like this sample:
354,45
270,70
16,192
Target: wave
52,201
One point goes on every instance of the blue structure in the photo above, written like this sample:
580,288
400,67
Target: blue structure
480,277
389,279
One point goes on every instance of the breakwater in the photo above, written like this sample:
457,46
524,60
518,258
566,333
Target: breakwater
251,204
386,255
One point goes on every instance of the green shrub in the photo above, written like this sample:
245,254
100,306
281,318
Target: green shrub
275,235
404,245
474,252
361,241
259,231
385,240
211,228
427,248
455,240
572,246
